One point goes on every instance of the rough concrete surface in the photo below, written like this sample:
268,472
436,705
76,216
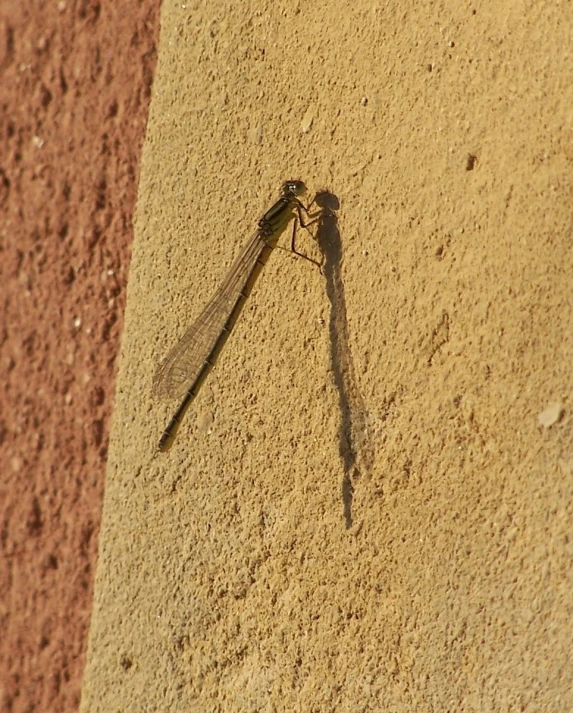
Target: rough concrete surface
75,82
368,507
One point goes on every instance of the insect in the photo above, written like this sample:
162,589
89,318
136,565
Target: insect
187,365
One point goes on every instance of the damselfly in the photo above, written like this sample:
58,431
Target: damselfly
185,368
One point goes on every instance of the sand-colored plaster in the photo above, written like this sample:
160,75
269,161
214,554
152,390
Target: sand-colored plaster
362,512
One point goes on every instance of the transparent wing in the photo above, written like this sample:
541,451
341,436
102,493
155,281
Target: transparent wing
183,363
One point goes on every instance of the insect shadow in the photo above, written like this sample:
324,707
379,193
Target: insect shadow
351,429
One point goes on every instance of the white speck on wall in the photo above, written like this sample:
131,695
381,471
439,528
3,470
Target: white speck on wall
550,415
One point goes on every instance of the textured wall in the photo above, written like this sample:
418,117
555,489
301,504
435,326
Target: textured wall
75,82
362,511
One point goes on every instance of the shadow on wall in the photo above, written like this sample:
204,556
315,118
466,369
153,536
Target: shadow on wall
352,428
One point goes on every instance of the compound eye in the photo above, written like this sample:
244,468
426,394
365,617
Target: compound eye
294,188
